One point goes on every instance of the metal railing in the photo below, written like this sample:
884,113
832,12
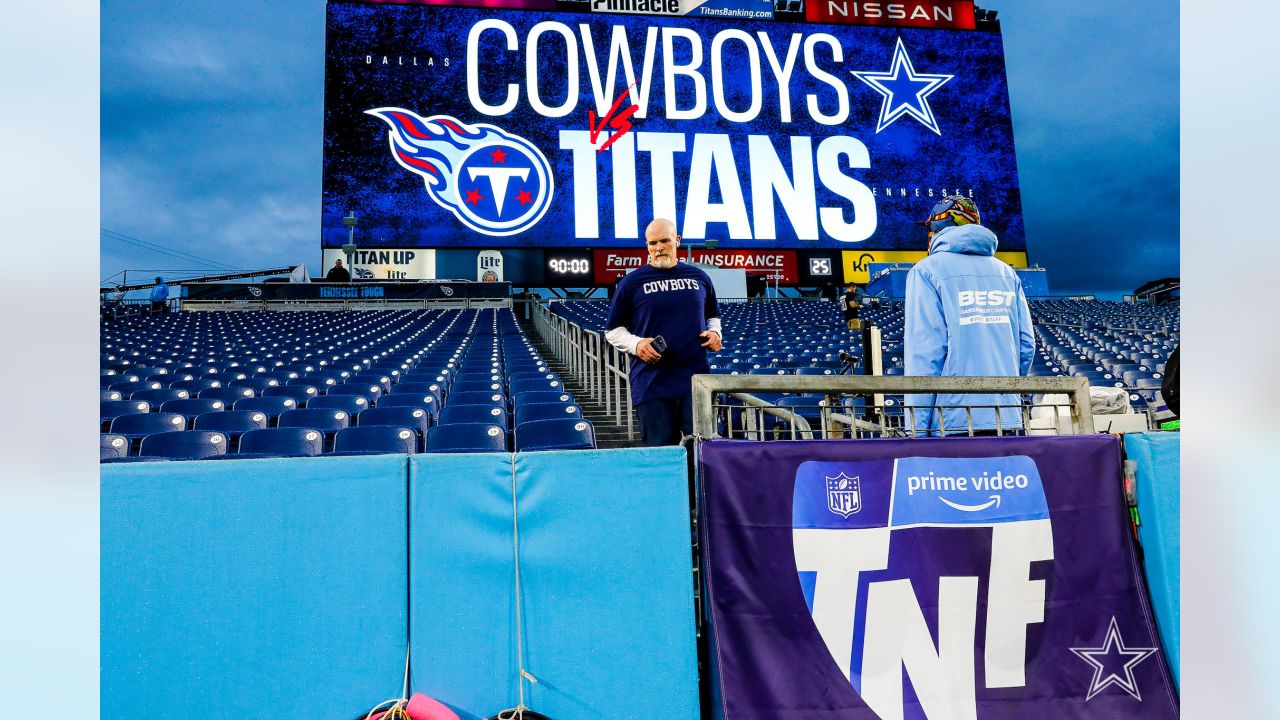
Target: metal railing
872,413
602,369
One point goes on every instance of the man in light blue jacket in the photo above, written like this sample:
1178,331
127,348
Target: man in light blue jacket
966,315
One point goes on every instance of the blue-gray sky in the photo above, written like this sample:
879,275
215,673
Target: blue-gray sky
212,119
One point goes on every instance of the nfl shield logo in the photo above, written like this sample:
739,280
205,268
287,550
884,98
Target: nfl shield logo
843,496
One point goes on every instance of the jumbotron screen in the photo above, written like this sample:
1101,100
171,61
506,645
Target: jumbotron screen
454,127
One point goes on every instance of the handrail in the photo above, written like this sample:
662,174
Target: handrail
705,387
603,370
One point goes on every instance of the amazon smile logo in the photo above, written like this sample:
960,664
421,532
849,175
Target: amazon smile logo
966,491
986,482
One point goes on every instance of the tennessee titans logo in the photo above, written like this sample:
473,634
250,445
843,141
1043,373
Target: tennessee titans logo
494,182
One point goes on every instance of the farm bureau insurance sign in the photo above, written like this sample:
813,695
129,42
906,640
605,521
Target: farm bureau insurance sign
452,127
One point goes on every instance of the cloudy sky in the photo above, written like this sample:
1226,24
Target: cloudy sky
212,118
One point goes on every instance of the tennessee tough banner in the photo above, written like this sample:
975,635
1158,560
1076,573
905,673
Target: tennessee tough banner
495,128
979,579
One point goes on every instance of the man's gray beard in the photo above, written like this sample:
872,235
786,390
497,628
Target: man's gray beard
663,263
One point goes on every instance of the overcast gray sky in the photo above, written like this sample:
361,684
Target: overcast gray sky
212,118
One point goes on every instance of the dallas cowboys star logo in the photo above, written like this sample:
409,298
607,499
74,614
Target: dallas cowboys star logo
1128,657
905,91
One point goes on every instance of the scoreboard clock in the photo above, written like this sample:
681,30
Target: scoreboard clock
568,268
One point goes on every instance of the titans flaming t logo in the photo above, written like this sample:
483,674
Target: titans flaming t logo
494,182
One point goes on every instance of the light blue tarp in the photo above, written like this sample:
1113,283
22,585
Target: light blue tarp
283,588
1159,502
253,588
607,592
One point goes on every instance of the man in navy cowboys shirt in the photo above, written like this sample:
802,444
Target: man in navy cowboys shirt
676,301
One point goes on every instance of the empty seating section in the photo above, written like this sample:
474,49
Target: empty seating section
1111,344
237,384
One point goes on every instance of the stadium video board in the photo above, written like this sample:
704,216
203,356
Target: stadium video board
457,127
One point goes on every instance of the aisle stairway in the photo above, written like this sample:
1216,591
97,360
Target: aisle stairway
609,434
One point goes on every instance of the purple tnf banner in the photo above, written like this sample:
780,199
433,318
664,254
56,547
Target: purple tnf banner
947,579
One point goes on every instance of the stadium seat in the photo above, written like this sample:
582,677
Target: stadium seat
457,414
543,396
257,384
271,406
476,386
233,423
195,385
109,410
416,418
352,404
228,395
160,396
138,425
525,384
428,402
129,388
466,437
562,434
184,445
367,391
376,439
301,394
545,411
327,420
191,407
113,446
476,397
111,395
283,442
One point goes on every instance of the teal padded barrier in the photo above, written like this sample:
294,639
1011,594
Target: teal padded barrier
607,587
607,563
462,580
1159,502
253,588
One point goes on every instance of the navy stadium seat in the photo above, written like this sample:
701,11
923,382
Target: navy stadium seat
545,411
137,425
112,446
543,396
328,420
459,414
184,445
257,384
368,391
272,406
525,384
428,402
191,407
376,439
194,386
284,441
160,396
228,395
301,394
476,386
109,410
111,395
466,437
476,398
232,422
352,404
564,434
129,388
416,418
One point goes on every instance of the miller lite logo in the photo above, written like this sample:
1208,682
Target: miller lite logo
496,183
843,496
